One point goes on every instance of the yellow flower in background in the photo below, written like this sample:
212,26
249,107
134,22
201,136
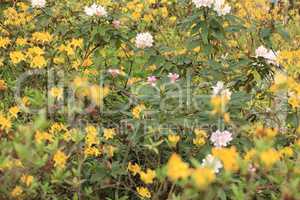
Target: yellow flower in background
34,51
4,42
16,192
136,111
134,168
76,43
43,136
148,176
3,85
13,111
60,159
286,152
143,192
173,139
16,56
250,155
21,41
203,177
56,128
176,168
229,157
56,92
38,62
269,157
5,123
91,137
109,133
200,138
97,94
27,179
91,151
42,37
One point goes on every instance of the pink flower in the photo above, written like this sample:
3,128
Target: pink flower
173,77
221,139
151,80
116,24
114,72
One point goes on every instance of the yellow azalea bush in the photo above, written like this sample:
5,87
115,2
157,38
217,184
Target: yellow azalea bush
150,99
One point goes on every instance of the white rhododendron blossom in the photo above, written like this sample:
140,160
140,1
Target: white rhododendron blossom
221,8
219,89
144,40
221,138
95,10
38,3
212,162
203,3
268,54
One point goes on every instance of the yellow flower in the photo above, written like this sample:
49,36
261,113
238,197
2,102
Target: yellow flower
286,151
143,192
76,42
97,94
16,192
147,177
43,136
21,41
35,51
109,133
135,16
269,157
59,60
27,179
14,111
228,156
56,92
4,42
91,151
173,139
38,62
5,123
176,168
91,137
57,127
134,168
200,138
16,56
42,37
60,159
250,155
137,110
203,177
3,85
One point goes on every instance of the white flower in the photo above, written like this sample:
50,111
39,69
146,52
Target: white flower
203,3
144,40
221,8
38,3
212,162
95,10
219,89
221,139
263,52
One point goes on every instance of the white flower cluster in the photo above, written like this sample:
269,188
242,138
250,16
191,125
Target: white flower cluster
219,89
143,40
263,52
218,5
221,138
221,8
203,3
38,3
212,162
95,10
